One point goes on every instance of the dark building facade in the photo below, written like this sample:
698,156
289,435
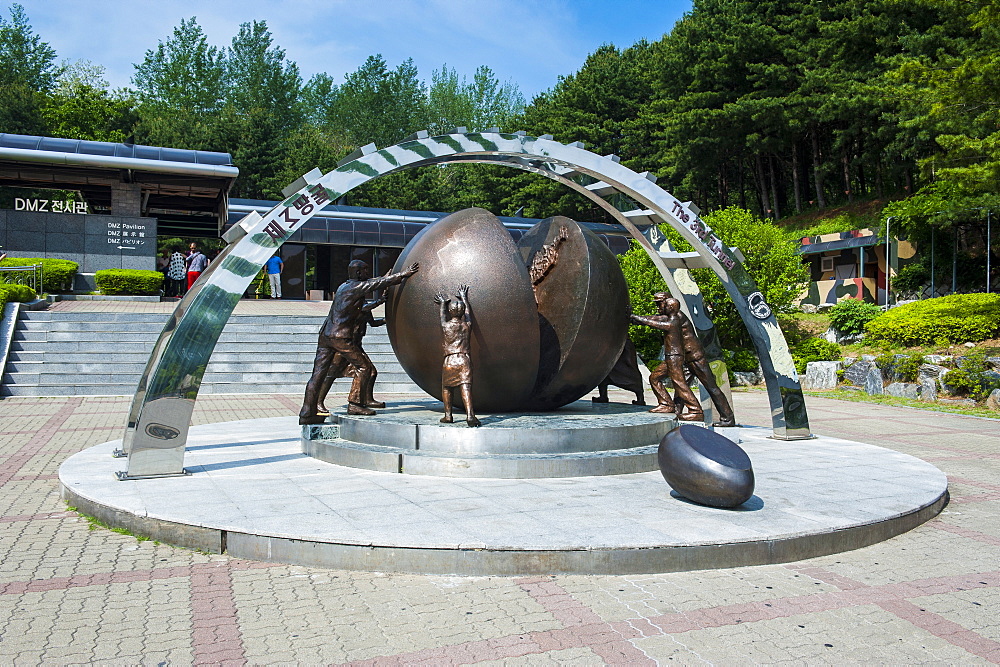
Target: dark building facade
317,254
127,195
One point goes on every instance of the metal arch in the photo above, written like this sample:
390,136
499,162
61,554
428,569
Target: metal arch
156,433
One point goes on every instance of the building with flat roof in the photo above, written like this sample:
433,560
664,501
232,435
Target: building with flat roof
127,195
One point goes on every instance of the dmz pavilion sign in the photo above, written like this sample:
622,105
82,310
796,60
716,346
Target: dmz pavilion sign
50,206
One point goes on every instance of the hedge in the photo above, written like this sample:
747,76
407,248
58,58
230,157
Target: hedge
957,318
58,273
10,292
128,281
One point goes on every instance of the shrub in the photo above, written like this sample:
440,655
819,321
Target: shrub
850,316
907,368
57,273
771,260
970,378
947,319
12,292
128,281
742,360
814,349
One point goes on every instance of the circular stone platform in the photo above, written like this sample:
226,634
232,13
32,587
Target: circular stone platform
253,494
577,440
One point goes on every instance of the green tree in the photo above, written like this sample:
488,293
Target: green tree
375,104
951,98
317,98
81,107
262,109
483,103
27,72
259,77
24,57
181,87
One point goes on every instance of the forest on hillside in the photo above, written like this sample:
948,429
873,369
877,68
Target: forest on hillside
782,107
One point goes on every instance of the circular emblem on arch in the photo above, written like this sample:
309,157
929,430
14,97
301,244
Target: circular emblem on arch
758,306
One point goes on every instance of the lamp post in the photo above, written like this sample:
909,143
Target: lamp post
888,264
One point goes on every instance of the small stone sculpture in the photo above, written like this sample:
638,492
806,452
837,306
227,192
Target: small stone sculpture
338,335
680,346
456,369
705,467
624,375
340,367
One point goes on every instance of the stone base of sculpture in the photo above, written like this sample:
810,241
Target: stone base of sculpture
581,439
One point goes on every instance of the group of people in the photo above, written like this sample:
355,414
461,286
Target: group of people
180,270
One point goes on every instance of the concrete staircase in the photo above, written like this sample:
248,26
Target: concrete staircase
102,353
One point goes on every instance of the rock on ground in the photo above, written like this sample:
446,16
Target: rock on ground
821,375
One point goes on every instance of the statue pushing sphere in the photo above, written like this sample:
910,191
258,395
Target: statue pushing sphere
456,369
550,315
681,348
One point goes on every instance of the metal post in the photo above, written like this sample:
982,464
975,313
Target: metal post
933,292
987,251
861,264
888,263
954,263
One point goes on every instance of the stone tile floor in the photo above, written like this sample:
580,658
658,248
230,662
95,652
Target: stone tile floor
72,594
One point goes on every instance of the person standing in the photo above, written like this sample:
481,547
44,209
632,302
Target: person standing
176,273
273,267
196,263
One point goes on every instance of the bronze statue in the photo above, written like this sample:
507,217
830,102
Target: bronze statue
546,258
694,356
673,361
680,345
456,369
341,368
338,335
624,375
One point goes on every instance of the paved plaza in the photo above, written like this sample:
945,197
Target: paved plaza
72,593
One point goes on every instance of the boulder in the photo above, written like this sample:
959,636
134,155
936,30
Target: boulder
937,358
835,336
928,389
857,372
847,361
746,379
993,400
993,362
961,402
821,375
874,382
824,307
809,308
932,374
868,357
904,390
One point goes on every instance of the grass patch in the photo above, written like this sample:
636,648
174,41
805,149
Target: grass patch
862,397
93,523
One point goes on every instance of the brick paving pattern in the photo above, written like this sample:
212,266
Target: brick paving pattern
72,593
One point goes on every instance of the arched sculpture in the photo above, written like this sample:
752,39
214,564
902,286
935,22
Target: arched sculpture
158,421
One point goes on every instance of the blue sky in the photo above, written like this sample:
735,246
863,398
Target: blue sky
528,42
